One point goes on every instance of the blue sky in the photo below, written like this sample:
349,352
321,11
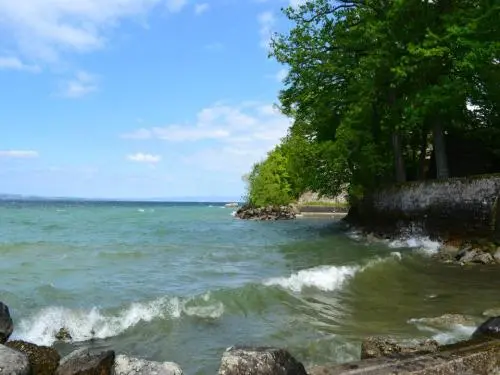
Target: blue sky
136,98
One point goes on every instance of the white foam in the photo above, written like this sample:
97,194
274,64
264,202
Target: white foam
84,325
447,333
326,278
458,332
420,243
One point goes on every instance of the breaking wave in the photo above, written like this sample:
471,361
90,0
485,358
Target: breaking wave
325,278
83,325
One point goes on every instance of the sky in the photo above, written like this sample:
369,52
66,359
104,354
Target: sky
137,98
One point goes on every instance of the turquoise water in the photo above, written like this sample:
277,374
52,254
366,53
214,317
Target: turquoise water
182,282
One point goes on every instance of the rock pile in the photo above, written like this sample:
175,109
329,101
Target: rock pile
267,213
470,253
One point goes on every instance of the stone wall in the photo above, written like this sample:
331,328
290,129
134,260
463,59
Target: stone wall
454,208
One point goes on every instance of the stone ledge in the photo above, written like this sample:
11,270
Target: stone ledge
467,357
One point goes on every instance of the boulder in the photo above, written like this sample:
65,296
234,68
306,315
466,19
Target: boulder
13,362
376,347
86,362
63,335
469,255
43,360
496,255
134,366
6,324
489,329
259,361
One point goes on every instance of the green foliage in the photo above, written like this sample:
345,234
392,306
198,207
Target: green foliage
269,181
369,85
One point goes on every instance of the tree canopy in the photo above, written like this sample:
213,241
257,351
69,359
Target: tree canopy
375,87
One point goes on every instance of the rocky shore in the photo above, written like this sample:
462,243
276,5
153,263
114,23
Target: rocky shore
481,354
267,213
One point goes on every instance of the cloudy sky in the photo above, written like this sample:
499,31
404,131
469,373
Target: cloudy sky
136,98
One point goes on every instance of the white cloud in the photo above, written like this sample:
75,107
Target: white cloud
14,63
138,134
266,22
144,158
45,29
82,84
175,5
201,8
239,135
18,154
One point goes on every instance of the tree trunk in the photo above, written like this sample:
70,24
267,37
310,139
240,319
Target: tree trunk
399,162
422,157
398,157
442,170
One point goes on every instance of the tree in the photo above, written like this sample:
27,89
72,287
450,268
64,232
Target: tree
374,85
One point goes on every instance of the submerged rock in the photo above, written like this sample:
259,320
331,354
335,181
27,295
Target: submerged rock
86,362
43,360
259,361
6,324
447,320
13,362
489,329
376,347
63,335
134,366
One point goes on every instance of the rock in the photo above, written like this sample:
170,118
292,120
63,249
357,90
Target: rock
496,255
468,255
484,258
13,362
134,366
448,321
259,361
489,329
85,362
63,335
43,360
6,324
266,213
492,312
375,347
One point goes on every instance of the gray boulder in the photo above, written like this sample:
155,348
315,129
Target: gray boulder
134,366
6,324
259,361
86,362
13,362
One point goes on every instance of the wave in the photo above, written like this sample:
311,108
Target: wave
447,329
95,323
416,242
411,238
325,278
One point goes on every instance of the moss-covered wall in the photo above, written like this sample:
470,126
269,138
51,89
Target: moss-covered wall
459,207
